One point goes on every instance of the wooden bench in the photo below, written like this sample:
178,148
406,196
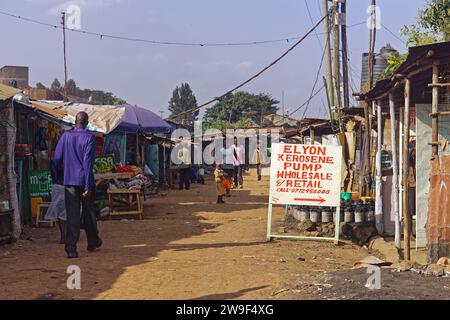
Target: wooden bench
131,198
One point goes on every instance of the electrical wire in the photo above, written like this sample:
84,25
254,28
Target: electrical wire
393,34
254,76
312,22
157,42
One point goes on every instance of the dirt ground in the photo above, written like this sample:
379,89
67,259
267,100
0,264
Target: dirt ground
187,247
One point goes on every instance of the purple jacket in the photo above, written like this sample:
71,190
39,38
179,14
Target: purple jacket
76,149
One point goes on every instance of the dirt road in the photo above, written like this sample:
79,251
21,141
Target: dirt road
187,247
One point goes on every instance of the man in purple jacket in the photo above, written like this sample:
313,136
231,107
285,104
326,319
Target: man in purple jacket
76,151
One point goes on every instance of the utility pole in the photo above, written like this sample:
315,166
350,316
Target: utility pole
63,23
336,62
345,54
328,64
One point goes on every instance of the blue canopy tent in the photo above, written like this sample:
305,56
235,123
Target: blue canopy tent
139,119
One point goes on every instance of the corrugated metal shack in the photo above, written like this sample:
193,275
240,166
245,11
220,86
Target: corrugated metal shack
412,108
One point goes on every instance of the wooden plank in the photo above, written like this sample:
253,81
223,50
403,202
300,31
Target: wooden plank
435,109
439,113
439,85
123,191
405,178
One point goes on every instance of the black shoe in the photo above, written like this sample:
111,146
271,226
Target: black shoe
72,255
96,246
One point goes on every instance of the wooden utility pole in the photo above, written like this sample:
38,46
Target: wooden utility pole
367,121
345,54
405,167
336,55
63,23
328,64
395,204
372,41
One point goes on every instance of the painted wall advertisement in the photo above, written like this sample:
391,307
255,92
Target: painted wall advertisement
305,175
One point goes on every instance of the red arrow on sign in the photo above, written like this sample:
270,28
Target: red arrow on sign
320,200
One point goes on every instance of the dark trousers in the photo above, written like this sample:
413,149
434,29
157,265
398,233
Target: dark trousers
238,175
74,199
185,178
258,171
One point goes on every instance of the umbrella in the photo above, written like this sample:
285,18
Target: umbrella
143,120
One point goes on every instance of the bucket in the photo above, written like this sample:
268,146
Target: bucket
315,215
348,216
304,214
327,215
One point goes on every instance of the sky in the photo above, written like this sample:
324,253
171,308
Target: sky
146,74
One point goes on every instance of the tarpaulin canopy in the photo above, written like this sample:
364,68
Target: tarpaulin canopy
107,118
142,120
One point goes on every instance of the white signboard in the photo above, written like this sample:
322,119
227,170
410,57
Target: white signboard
305,175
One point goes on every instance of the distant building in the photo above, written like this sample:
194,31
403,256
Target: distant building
15,76
43,94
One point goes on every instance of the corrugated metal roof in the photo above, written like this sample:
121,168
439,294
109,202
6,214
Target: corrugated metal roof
7,92
417,57
49,109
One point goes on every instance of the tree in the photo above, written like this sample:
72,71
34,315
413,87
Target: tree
432,25
56,85
72,87
183,99
39,85
241,105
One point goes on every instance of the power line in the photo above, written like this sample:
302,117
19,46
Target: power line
157,42
392,33
256,75
312,22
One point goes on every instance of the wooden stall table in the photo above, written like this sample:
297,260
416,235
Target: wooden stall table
99,177
132,198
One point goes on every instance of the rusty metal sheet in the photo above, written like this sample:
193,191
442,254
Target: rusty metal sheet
7,92
438,224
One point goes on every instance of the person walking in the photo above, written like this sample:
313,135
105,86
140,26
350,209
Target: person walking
257,160
238,163
218,178
184,167
76,149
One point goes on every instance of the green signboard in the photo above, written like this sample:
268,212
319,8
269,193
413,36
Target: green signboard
104,164
40,183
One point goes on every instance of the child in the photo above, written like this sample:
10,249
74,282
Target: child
218,177
227,184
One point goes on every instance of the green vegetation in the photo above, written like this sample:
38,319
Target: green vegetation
183,99
432,26
239,110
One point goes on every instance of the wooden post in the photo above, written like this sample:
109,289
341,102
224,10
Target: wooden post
336,62
312,135
328,64
378,183
366,164
395,206
345,56
405,166
435,110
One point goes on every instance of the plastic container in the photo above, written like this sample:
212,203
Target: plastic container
296,213
359,214
348,215
346,195
370,213
327,215
315,215
304,213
